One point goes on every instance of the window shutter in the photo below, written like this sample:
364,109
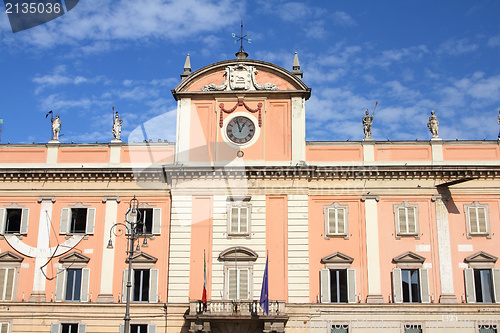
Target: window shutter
122,328
481,219
89,228
244,290
24,221
331,221
402,220
2,220
411,221
65,217
156,221
351,285
232,282
85,285
124,285
3,275
397,285
60,284
5,328
496,284
9,286
151,328
82,328
325,286
234,220
153,285
243,220
470,292
341,220
55,328
473,220
424,286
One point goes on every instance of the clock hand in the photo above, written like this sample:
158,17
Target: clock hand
239,127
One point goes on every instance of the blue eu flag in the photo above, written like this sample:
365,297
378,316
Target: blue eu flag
264,293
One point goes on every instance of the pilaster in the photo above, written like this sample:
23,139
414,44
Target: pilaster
183,130
372,249
298,130
108,255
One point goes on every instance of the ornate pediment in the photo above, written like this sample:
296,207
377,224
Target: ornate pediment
10,257
74,257
238,254
408,258
143,258
240,77
337,258
481,257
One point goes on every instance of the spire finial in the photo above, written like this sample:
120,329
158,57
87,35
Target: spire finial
187,67
296,67
241,54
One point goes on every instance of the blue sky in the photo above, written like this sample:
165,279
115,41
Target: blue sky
410,56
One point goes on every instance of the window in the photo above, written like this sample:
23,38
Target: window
238,272
152,220
72,282
238,282
336,220
144,279
7,283
139,328
477,219
140,285
410,328
482,280
4,327
238,216
68,328
14,220
339,329
411,285
406,220
488,328
410,282
338,285
77,219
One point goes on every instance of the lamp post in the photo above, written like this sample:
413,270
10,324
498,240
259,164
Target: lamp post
135,229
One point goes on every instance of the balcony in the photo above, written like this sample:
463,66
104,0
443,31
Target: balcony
229,315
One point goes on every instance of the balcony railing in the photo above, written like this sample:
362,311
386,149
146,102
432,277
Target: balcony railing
232,308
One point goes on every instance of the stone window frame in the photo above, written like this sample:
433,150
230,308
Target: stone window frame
23,228
156,222
240,258
406,204
336,205
337,261
10,260
65,226
481,260
73,260
142,260
410,261
476,204
239,202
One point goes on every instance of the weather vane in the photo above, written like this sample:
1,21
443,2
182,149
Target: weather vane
241,38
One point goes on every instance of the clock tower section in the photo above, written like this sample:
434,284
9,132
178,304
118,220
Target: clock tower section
246,110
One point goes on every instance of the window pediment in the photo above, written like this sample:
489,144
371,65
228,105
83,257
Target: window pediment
8,256
408,258
481,257
337,258
143,258
74,257
238,254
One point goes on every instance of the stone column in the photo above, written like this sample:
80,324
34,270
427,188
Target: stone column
372,249
42,249
108,255
444,251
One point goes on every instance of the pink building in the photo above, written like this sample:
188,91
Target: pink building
362,236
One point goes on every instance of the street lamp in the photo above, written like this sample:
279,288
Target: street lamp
135,229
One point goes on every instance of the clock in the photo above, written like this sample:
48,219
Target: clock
240,130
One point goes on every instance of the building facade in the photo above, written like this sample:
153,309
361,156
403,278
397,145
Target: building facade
359,236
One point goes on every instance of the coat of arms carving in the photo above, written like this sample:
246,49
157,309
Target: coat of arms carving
240,77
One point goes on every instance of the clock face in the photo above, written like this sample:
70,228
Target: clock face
240,130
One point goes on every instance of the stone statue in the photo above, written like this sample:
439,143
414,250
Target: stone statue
433,125
499,123
56,127
117,127
367,125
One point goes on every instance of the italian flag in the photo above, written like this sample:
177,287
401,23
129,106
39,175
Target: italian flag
204,296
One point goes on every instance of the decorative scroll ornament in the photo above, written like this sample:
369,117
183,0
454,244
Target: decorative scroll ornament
240,103
240,77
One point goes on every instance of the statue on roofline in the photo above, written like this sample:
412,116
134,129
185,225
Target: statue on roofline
433,125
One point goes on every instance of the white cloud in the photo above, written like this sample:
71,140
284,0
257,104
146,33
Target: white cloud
456,47
494,41
343,19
